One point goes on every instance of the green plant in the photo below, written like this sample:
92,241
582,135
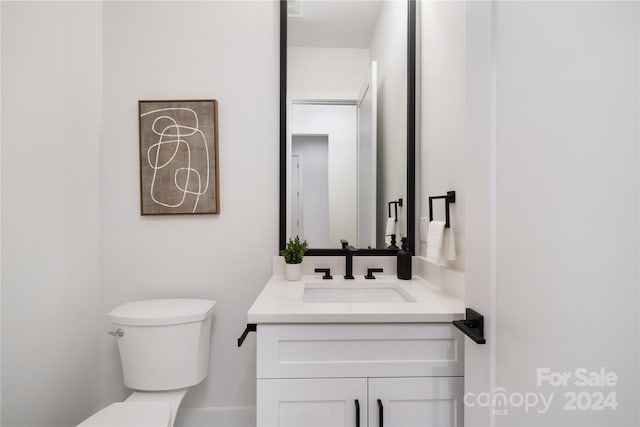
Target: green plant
295,250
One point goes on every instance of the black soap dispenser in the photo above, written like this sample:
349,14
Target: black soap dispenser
404,261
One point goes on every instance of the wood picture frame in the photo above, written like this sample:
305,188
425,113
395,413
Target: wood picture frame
178,157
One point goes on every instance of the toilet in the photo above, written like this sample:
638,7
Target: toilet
164,349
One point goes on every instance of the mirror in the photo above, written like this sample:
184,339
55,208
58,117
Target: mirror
347,124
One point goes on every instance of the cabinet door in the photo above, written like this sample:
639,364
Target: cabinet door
416,402
312,402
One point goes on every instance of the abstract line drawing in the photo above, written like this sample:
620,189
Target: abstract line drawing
178,157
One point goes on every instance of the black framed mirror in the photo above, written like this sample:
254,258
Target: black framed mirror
347,164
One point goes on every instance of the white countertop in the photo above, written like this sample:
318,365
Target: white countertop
281,302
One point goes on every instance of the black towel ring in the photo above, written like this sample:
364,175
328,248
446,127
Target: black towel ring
395,203
449,198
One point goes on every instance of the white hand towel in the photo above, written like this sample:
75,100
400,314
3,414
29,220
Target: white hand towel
389,230
435,236
448,252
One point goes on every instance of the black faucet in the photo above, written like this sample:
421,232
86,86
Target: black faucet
326,271
349,250
370,272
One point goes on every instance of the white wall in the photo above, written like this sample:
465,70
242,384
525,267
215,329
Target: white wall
442,97
0,217
552,94
567,145
51,108
480,289
183,50
326,73
52,240
389,49
541,102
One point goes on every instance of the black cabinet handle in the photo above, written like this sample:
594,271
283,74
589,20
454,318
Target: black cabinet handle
357,413
380,413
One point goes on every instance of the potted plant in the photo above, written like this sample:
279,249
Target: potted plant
293,255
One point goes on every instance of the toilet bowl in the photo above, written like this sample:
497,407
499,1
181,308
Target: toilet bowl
122,414
164,348
148,409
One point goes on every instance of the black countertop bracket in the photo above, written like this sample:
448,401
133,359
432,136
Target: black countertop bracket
472,326
251,327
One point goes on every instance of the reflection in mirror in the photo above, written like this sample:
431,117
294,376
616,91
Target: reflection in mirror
347,121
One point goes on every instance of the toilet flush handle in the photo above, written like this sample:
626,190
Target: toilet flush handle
117,333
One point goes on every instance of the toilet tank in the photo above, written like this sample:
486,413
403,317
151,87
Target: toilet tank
164,343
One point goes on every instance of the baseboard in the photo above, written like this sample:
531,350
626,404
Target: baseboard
228,416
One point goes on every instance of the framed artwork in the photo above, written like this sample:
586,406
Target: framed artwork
179,157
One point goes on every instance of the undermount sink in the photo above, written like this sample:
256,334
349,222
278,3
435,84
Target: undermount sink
379,292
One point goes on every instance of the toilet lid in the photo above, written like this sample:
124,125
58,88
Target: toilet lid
128,414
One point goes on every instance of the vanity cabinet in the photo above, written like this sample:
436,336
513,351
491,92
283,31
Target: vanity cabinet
416,402
312,402
320,374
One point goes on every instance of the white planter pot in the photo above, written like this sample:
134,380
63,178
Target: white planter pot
292,271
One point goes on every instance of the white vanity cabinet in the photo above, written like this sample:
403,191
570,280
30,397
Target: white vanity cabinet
320,374
416,402
312,402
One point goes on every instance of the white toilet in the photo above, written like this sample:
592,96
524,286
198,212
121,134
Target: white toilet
164,348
